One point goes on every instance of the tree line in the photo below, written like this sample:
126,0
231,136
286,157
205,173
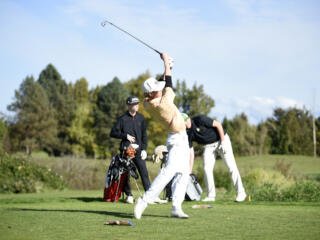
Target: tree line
70,119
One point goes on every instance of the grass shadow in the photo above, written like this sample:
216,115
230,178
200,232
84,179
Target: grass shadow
114,214
88,199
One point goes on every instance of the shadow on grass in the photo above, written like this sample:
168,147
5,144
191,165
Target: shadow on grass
88,199
114,214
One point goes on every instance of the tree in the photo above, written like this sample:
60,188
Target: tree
80,91
291,131
192,101
81,132
318,135
263,140
60,98
110,105
35,125
3,134
242,135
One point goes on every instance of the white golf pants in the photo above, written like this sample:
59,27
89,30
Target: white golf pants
177,166
209,159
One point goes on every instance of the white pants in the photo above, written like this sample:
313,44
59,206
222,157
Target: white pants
177,166
209,159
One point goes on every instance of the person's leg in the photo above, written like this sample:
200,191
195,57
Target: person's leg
127,187
209,159
127,190
179,187
230,162
173,165
143,172
180,150
158,184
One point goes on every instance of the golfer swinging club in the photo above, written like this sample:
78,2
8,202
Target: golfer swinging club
161,107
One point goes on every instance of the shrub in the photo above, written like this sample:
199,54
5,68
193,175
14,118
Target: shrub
258,177
266,192
306,190
222,180
19,175
284,168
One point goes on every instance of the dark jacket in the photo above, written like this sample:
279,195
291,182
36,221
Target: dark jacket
135,126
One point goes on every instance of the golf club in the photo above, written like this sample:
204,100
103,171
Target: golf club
105,22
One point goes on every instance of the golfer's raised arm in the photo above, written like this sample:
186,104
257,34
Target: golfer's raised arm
167,70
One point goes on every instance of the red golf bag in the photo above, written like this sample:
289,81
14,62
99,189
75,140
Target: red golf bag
117,174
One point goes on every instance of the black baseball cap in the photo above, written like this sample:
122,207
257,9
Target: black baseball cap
132,100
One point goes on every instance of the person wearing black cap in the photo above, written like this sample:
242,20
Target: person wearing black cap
131,128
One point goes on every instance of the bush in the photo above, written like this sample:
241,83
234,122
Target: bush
283,167
264,185
258,177
222,180
19,175
266,192
306,190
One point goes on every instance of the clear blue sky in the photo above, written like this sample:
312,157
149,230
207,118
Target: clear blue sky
251,56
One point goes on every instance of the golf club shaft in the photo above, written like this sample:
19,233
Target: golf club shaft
105,22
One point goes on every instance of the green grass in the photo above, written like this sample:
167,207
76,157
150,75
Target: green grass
81,215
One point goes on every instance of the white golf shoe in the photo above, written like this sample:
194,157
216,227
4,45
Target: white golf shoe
178,213
129,199
139,208
241,197
208,199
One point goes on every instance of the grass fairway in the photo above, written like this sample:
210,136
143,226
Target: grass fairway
81,215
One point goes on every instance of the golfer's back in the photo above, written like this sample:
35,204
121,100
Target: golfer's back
165,110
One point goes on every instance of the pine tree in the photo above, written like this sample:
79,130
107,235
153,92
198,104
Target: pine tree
62,101
111,104
35,125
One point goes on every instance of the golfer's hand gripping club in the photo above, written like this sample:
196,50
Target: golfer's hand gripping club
167,59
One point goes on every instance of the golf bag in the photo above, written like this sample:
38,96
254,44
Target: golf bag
120,168
193,192
194,189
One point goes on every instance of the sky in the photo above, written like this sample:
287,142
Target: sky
250,55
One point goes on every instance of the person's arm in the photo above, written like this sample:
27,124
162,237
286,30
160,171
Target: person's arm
219,127
167,71
116,132
191,161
